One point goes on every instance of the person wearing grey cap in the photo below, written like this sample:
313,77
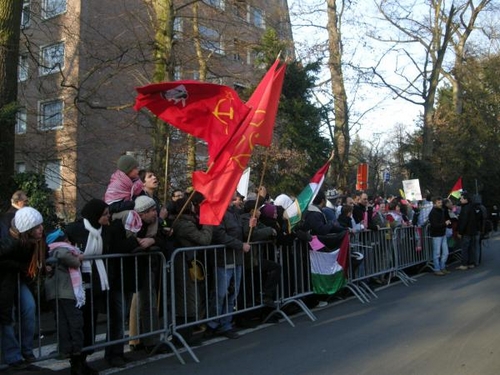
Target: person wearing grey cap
144,306
21,253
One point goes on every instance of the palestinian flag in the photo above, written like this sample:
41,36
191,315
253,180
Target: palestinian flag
329,270
294,211
456,190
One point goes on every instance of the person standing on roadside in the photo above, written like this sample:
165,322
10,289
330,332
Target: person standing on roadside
439,220
22,261
468,232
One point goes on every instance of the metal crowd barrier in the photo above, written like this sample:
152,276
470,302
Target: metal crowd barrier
271,278
180,294
144,272
371,257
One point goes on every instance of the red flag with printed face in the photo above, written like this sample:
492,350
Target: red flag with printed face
205,110
221,179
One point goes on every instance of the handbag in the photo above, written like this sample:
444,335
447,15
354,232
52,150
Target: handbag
196,270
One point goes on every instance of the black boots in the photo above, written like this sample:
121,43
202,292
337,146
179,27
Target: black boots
76,365
79,365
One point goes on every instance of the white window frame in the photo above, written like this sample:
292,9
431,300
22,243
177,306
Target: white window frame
52,172
26,14
258,18
51,118
52,58
53,8
21,121
219,4
211,40
23,68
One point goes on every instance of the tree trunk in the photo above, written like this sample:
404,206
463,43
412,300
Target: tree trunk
164,68
341,129
202,70
10,26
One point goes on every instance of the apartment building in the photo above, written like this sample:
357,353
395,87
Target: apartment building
81,60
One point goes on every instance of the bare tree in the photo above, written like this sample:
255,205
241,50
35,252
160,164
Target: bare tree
467,14
432,31
341,135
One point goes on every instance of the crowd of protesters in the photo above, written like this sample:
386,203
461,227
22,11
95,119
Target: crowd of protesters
131,219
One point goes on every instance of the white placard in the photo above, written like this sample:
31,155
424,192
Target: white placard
412,190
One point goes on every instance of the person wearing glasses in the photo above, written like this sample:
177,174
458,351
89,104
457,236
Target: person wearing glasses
19,200
175,196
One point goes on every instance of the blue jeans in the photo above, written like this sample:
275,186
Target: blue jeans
11,350
223,302
439,252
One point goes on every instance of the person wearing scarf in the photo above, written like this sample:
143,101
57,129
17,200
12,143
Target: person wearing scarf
89,234
22,254
64,289
96,235
124,185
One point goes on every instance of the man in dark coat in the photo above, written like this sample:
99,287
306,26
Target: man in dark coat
468,231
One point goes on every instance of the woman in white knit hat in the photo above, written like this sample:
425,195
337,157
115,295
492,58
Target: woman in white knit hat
21,253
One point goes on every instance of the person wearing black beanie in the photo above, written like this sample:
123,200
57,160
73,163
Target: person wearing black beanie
95,235
93,211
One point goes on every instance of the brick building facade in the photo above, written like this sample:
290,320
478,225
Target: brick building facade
80,61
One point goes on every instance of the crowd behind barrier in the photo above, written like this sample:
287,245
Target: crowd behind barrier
183,287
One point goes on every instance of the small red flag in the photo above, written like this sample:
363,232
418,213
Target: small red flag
219,182
205,110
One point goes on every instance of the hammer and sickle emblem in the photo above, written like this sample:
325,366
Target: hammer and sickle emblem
219,114
245,150
258,118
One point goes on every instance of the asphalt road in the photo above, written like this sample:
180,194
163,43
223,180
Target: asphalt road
437,326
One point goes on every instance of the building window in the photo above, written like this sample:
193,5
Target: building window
177,27
211,40
177,73
21,117
52,173
25,15
51,116
219,4
52,59
257,18
52,8
22,74
20,167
